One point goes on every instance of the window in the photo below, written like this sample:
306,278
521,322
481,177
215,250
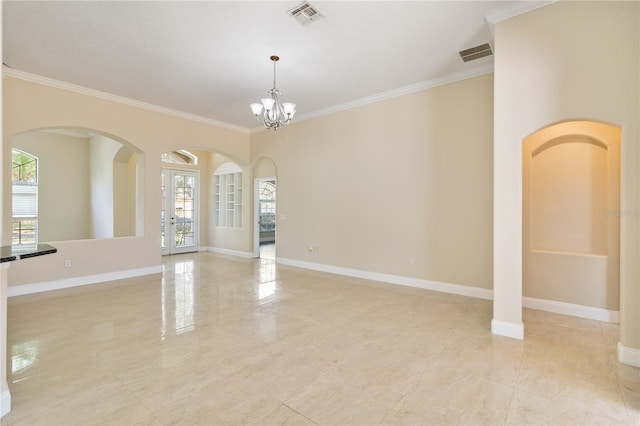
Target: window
24,178
180,156
267,193
227,199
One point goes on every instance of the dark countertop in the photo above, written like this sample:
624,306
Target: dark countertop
11,253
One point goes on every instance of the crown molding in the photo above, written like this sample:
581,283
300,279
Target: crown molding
394,93
46,81
513,9
401,91
405,90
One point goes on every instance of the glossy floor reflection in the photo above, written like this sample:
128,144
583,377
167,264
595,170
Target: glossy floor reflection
222,340
268,251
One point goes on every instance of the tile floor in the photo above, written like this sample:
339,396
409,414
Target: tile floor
268,251
219,340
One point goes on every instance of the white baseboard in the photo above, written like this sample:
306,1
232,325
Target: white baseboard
564,308
20,290
628,356
507,329
5,402
462,290
245,254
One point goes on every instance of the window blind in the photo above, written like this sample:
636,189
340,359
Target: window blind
25,200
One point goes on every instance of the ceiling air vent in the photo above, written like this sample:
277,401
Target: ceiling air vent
304,13
476,52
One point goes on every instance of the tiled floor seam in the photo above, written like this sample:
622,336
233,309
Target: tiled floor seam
397,404
121,381
299,413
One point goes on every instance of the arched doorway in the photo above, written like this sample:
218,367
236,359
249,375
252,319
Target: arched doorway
265,213
571,232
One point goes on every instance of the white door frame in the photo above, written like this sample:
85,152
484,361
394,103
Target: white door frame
256,213
170,198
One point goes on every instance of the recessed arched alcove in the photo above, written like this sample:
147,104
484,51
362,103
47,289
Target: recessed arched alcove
571,234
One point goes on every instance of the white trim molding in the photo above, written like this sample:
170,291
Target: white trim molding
461,290
5,402
81,281
581,311
46,81
428,84
394,93
628,356
507,329
238,253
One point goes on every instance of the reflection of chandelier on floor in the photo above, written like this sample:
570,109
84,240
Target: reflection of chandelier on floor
270,112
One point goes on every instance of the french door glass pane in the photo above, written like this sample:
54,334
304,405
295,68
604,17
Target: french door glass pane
163,214
184,210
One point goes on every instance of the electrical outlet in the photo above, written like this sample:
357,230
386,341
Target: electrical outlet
412,262
67,263
310,248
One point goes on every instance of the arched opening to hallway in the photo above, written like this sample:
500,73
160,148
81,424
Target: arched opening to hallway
264,211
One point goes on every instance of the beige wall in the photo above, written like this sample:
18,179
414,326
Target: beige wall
124,196
101,159
30,106
64,193
566,61
372,187
264,168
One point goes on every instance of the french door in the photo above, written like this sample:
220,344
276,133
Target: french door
179,215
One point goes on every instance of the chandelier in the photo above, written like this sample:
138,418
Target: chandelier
270,112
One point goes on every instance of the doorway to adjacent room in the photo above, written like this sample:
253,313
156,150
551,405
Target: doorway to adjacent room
265,214
179,214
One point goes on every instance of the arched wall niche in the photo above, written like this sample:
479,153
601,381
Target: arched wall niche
90,183
573,138
231,215
571,234
600,132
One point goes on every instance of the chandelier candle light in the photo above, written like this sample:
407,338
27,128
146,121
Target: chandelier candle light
270,112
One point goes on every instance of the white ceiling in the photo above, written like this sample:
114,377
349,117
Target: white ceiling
211,59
